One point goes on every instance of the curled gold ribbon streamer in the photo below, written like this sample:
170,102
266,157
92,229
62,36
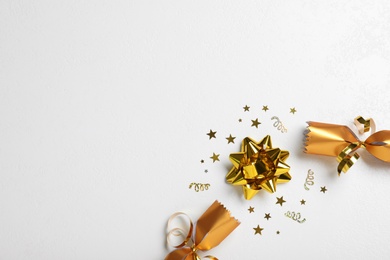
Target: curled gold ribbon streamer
309,179
340,141
199,186
211,229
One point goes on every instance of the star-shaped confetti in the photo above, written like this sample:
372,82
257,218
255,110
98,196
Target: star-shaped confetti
303,202
258,230
215,157
280,201
211,134
230,139
323,189
251,209
293,110
255,122
265,108
246,108
267,216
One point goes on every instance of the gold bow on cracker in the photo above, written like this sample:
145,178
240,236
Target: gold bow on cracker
340,141
258,166
211,229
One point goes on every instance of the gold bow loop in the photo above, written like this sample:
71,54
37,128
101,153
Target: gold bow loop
341,141
211,229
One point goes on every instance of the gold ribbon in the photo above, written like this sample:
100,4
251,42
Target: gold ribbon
211,229
341,141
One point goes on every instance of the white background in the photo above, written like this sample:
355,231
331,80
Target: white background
105,106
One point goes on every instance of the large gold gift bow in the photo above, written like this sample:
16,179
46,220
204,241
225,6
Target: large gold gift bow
211,229
340,141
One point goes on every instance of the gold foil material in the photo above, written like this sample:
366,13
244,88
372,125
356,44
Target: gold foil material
341,141
211,229
258,166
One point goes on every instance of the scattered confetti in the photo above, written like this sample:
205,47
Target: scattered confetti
215,157
309,179
240,120
199,186
267,216
211,134
303,202
280,201
230,139
279,124
295,216
265,108
255,122
293,110
323,189
202,161
246,108
206,171
277,232
251,209
258,230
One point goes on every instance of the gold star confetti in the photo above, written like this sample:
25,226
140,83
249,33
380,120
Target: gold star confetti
246,108
215,157
277,232
255,122
230,139
280,201
265,108
303,202
258,230
202,161
211,134
267,216
293,110
323,189
251,209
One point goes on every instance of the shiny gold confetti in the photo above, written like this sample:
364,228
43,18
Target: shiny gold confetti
280,201
303,202
279,125
293,110
309,179
295,216
323,189
265,108
246,108
215,157
199,186
267,216
230,139
211,134
258,230
251,209
255,122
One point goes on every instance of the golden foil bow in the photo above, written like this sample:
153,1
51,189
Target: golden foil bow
211,229
340,141
258,166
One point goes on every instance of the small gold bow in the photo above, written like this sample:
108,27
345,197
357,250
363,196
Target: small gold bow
340,141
